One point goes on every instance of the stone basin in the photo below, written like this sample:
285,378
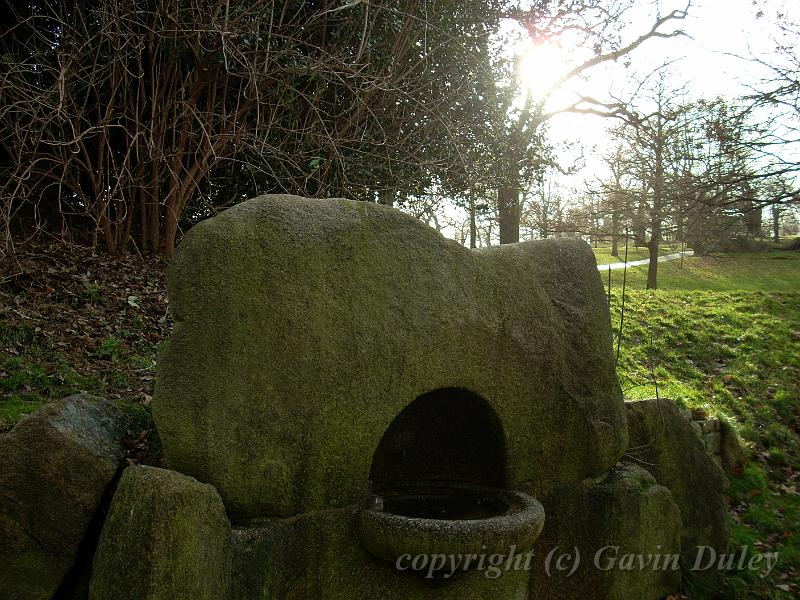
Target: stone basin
448,518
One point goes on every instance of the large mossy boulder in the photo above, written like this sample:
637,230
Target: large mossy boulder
617,538
166,538
55,466
304,327
663,439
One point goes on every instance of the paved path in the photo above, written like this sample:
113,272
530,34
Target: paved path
636,263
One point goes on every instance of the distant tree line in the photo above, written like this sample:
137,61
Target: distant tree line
696,172
699,173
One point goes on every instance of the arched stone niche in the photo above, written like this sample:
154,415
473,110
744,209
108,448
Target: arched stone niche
449,434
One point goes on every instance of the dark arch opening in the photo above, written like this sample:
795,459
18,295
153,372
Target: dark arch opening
449,434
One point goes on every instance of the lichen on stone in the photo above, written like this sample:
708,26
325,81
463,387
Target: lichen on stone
304,327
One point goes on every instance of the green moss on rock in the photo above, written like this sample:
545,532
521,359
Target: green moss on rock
54,468
318,556
622,535
662,438
166,537
303,327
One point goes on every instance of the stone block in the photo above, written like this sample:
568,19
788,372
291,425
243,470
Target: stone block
613,539
662,439
166,538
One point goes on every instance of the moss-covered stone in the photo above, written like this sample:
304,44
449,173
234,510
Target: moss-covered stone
732,453
621,534
166,537
318,556
303,328
54,468
663,439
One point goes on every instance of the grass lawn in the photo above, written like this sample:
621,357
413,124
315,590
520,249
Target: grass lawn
775,271
603,253
721,336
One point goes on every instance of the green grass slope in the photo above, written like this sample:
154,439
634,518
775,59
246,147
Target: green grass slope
721,335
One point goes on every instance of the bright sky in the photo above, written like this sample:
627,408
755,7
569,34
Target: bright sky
707,64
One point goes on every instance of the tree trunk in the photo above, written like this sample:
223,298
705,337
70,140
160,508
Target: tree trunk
652,266
615,232
508,213
128,223
386,197
615,245
170,233
752,220
776,223
153,209
655,212
142,220
473,229
105,227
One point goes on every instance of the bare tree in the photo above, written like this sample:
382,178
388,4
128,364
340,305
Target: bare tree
125,112
690,171
521,146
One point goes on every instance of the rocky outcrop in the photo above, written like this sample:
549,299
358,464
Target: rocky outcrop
303,327
665,441
616,538
55,466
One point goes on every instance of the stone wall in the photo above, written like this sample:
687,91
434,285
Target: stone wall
720,441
